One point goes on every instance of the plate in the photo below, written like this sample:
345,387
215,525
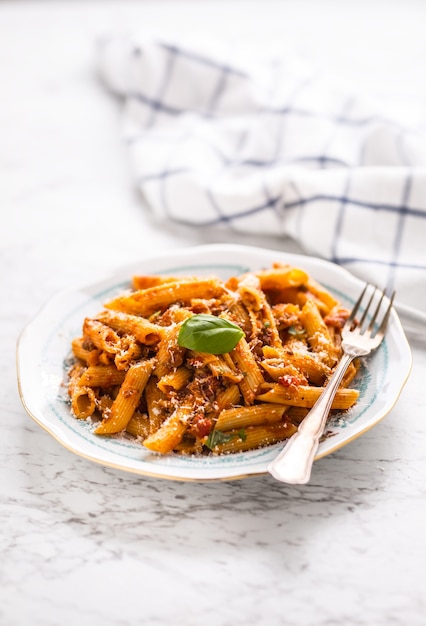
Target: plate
44,351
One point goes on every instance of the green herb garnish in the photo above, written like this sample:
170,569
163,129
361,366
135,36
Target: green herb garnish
216,437
296,332
242,434
207,333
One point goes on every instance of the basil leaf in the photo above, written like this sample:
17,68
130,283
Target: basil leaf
216,437
242,434
207,333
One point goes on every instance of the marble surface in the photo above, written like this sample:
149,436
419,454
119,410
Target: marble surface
82,544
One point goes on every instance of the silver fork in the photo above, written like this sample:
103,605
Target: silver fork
294,463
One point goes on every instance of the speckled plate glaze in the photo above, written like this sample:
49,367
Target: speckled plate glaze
44,349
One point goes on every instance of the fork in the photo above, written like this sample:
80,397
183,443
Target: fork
294,464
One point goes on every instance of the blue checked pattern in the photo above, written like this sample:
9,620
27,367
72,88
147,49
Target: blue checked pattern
270,147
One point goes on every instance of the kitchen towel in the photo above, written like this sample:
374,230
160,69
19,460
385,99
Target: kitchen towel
271,147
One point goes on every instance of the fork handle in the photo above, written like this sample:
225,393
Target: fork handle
294,464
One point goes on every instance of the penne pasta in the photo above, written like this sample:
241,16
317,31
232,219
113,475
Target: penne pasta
219,365
241,375
242,416
255,437
138,426
305,396
309,366
170,354
146,301
317,333
247,365
171,431
156,402
250,292
174,380
142,329
144,282
227,398
323,297
101,376
101,336
129,352
83,399
83,353
282,277
83,402
127,399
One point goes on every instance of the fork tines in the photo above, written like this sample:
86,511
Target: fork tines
371,294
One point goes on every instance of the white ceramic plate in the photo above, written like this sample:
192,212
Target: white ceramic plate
44,347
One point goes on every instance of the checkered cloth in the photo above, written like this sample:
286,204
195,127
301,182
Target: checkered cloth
271,147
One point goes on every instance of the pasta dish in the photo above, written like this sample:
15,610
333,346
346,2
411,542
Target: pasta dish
197,365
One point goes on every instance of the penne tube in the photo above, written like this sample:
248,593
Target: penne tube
156,401
200,305
105,358
101,376
170,354
287,296
286,315
228,397
144,331
104,404
171,432
317,333
260,313
147,301
250,292
219,365
83,399
88,355
102,336
279,371
336,318
242,416
174,380
305,365
175,315
247,365
282,277
297,414
127,399
144,282
255,437
74,375
256,323
321,294
138,425
350,374
270,324
240,316
130,351
83,402
305,396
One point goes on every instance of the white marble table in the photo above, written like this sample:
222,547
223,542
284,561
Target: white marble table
82,544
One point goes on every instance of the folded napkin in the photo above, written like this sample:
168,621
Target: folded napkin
219,139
